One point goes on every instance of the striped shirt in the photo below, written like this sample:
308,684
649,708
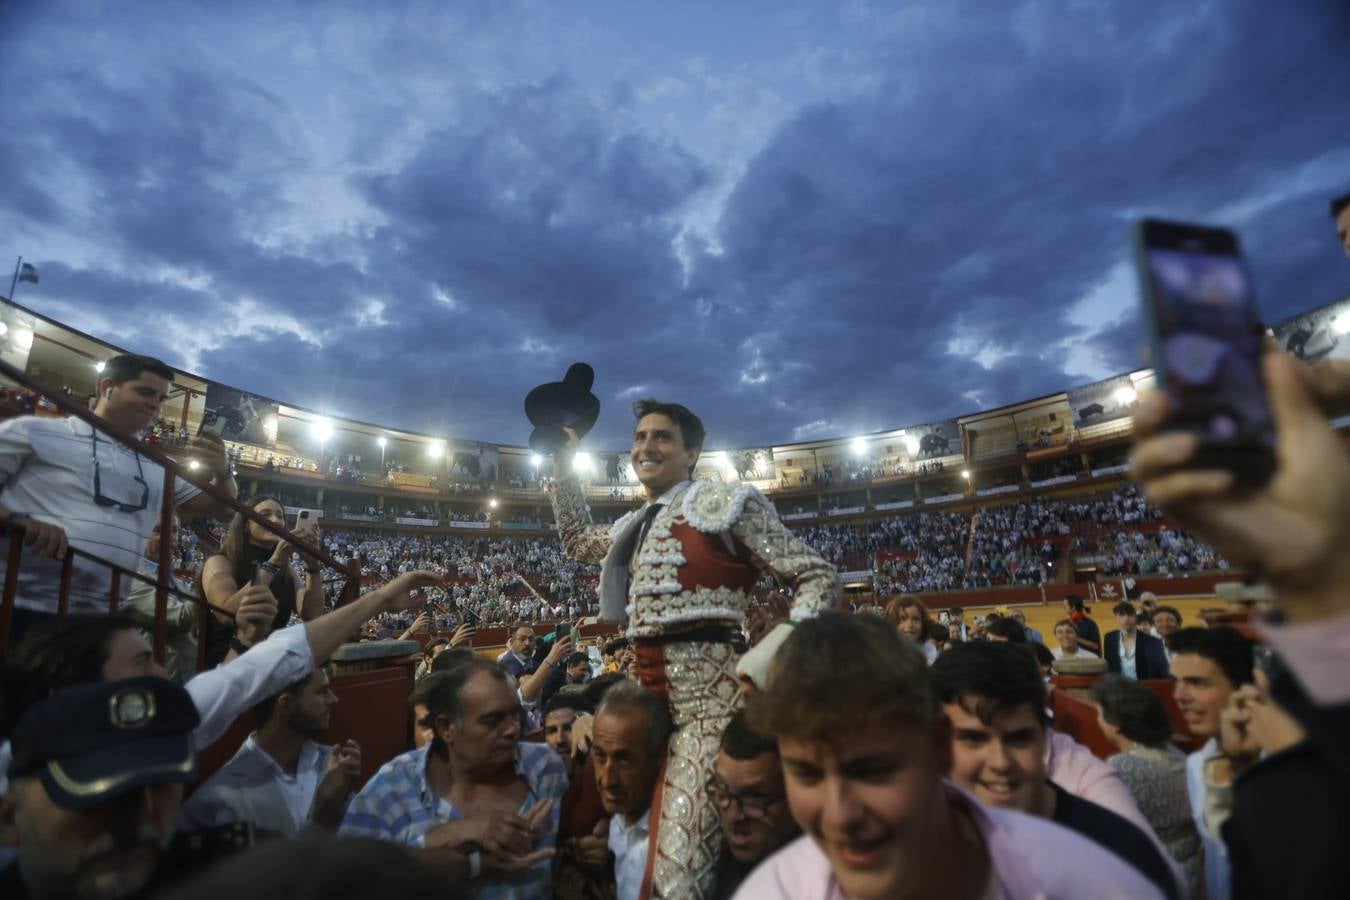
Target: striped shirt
47,473
398,805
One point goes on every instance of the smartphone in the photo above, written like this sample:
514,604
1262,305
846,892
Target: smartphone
1205,338
306,521
210,422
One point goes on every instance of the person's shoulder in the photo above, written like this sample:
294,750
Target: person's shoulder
715,506
406,767
539,758
798,870
1060,861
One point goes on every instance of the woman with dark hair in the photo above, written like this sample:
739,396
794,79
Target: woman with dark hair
228,574
1135,720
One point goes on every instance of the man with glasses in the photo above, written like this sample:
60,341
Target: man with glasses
69,486
751,802
518,658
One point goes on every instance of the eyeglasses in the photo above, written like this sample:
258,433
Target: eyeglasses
98,482
751,806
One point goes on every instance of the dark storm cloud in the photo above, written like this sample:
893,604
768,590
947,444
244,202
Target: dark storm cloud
980,187
988,185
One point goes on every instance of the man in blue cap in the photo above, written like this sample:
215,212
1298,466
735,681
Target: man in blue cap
96,783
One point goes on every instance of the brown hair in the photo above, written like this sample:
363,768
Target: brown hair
837,673
235,546
896,608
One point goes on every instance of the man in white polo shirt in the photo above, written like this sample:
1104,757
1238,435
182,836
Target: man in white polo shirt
66,483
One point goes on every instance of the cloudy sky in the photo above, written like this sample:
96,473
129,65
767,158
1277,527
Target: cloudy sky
803,220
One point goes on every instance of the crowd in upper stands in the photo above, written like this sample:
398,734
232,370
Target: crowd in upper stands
871,756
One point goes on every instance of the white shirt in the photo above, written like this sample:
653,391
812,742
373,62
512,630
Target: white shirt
253,788
1127,658
226,692
1218,875
1079,653
47,473
629,845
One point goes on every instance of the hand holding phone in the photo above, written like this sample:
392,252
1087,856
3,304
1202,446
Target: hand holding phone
1206,340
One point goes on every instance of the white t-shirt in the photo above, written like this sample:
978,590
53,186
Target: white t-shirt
1079,653
47,473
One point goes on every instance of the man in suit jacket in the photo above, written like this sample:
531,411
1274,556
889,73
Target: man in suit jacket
1132,653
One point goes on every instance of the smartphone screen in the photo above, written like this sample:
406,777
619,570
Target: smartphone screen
1206,342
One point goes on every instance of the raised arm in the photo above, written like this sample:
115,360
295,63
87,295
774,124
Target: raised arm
581,538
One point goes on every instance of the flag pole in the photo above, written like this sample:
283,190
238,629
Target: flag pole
14,282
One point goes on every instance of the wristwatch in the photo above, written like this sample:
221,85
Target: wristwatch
239,646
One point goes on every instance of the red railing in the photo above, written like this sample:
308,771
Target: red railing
163,581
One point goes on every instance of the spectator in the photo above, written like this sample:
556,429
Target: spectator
1293,529
180,616
1005,629
848,702
1067,637
81,649
632,729
1134,719
747,789
66,484
98,775
1166,620
1089,635
1208,665
518,659
956,627
281,780
450,794
252,557
1033,635
1132,653
429,653
910,617
994,699
561,715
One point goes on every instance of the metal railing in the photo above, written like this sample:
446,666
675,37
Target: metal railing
163,581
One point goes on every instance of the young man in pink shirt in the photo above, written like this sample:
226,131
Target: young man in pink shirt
863,756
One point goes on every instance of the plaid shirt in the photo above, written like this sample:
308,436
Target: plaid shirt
397,805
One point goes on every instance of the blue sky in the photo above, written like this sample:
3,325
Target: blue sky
802,220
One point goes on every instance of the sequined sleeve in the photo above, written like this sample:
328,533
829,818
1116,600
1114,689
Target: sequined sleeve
581,540
816,584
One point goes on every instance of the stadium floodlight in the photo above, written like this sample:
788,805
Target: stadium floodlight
859,446
382,442
4,329
911,444
1341,324
98,366
322,429
194,465
492,504
1125,395
536,460
435,449
581,462
965,473
23,338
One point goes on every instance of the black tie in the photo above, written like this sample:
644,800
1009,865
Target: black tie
647,517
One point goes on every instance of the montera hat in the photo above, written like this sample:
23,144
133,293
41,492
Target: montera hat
562,404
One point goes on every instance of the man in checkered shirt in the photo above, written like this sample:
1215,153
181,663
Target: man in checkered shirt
476,790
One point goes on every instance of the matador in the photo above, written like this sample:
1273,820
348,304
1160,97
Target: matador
680,572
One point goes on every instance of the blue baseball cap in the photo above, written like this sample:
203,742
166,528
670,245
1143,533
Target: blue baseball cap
97,741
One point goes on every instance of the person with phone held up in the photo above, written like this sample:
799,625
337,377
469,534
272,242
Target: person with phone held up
255,565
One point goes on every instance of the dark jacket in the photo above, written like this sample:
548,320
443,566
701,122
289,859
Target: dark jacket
1150,659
